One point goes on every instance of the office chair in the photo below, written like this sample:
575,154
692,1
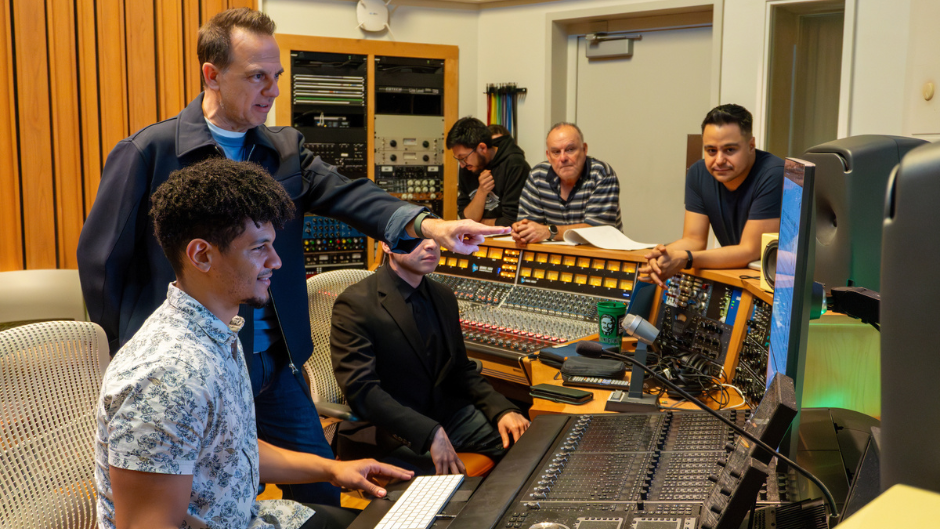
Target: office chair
322,291
31,296
50,377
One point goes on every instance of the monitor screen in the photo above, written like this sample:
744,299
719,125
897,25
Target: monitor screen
790,315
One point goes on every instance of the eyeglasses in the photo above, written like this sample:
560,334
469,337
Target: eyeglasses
462,160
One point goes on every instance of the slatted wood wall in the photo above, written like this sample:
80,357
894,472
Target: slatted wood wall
77,76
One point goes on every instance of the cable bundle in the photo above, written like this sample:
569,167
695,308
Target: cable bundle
502,105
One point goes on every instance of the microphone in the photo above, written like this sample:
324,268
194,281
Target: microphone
646,333
591,349
640,329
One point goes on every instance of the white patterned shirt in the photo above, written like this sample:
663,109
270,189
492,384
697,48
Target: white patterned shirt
177,399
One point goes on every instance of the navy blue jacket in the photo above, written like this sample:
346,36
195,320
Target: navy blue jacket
123,270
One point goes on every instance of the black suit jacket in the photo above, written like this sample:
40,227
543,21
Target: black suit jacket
378,360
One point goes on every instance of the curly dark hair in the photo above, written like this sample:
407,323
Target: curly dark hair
215,36
727,114
469,132
211,200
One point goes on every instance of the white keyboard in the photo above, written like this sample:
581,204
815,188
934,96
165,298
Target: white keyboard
419,505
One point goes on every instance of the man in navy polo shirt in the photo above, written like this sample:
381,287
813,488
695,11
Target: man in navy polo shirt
736,189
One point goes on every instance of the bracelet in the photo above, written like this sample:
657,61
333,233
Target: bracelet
417,223
688,264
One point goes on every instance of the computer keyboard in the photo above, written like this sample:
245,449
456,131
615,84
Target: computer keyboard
422,500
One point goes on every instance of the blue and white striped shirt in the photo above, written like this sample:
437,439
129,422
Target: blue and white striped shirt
595,199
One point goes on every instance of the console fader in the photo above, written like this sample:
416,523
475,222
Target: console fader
515,302
676,470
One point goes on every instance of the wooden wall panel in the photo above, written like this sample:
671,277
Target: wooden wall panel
76,77
170,93
66,133
209,8
87,57
112,77
11,228
192,76
32,78
141,61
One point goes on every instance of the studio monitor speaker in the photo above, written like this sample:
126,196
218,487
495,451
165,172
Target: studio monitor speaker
851,180
768,260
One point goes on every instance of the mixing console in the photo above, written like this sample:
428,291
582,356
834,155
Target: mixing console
518,331
696,316
519,320
683,470
486,292
515,302
751,373
629,468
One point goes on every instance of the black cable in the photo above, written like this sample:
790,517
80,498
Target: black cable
833,510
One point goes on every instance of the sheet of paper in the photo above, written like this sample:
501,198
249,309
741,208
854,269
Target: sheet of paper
606,237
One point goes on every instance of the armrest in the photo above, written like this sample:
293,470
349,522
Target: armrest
479,365
336,411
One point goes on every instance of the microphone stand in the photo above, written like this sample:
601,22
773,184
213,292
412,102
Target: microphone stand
635,401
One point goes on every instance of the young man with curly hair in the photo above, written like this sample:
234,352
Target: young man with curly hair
177,444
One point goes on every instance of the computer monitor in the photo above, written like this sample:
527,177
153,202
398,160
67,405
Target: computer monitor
850,183
789,321
910,347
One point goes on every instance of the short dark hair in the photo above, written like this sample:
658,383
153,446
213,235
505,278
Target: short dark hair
469,132
215,36
496,128
561,124
211,200
728,114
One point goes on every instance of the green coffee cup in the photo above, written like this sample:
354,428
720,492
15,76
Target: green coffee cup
609,317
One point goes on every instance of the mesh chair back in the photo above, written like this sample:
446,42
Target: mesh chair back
322,291
50,377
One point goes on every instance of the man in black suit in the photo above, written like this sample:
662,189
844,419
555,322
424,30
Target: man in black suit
399,357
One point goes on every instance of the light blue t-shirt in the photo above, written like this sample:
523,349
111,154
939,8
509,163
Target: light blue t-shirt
233,145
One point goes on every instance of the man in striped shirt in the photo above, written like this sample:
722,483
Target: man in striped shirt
568,191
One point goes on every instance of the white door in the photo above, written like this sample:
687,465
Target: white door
636,115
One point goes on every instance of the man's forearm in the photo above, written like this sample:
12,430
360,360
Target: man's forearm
279,465
693,245
476,208
736,256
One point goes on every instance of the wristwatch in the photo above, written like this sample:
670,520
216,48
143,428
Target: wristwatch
553,230
688,262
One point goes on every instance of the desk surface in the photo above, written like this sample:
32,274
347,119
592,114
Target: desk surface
541,373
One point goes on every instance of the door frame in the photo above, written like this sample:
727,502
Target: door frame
563,24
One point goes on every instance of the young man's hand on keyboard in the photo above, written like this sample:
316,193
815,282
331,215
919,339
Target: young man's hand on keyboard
444,456
360,474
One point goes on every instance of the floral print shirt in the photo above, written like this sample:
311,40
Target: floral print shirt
176,399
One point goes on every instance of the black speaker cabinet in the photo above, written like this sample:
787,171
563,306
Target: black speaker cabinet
910,346
851,178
